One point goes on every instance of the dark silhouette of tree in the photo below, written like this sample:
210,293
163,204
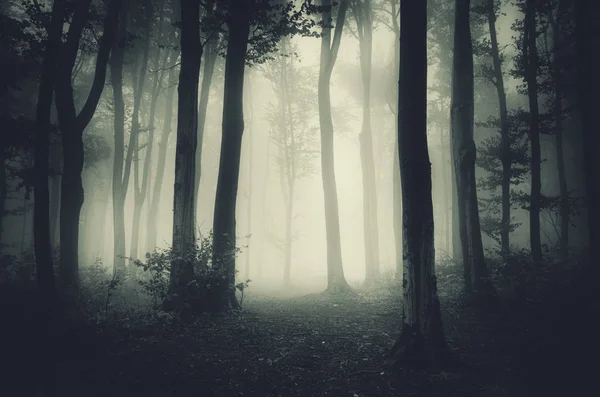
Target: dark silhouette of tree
72,125
421,343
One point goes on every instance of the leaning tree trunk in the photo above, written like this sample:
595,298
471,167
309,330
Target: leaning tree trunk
464,153
531,59
421,343
72,126
224,242
505,156
210,58
363,15
182,271
329,49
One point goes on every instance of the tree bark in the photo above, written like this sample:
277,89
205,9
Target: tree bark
476,276
56,175
329,50
224,225
72,125
505,157
421,343
182,271
364,20
531,58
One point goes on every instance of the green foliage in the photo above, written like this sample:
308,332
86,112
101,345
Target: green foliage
207,281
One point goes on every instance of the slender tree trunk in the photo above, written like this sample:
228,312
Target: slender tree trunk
289,212
505,157
397,187
588,40
464,153
531,57
250,169
558,119
139,191
363,15
329,49
421,342
118,188
56,175
224,225
184,240
210,58
41,216
160,168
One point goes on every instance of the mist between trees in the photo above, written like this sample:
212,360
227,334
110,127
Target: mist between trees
266,144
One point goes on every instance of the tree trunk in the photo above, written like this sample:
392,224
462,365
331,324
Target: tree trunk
160,168
250,169
139,191
421,343
72,126
588,40
118,189
558,119
210,58
464,153
363,15
182,271
505,157
289,212
41,215
224,224
329,49
397,188
56,175
531,58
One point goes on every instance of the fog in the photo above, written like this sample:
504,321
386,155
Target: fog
260,219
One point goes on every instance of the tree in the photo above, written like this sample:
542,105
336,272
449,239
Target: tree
363,15
464,153
73,124
120,177
496,77
329,50
530,57
211,53
421,342
41,222
238,23
182,270
162,159
293,135
558,112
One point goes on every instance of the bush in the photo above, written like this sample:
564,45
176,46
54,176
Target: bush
207,279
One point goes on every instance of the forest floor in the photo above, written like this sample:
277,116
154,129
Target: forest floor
321,345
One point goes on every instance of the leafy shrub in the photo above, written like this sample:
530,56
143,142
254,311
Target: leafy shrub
206,281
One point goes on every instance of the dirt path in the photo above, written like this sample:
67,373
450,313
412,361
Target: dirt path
314,345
